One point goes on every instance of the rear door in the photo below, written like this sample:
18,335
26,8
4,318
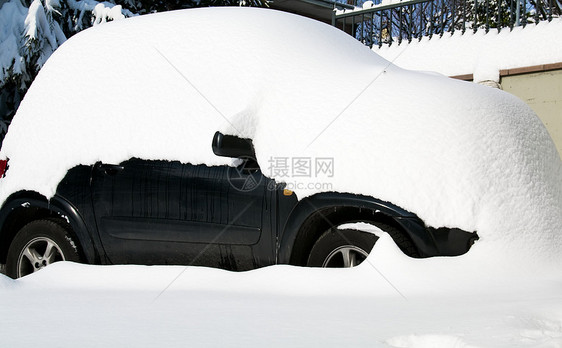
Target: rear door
162,212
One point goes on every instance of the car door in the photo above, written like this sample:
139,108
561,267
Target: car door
166,212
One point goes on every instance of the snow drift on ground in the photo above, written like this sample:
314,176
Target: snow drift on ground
481,54
159,86
371,305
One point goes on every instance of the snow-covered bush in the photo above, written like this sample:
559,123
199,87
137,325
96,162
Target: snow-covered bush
30,33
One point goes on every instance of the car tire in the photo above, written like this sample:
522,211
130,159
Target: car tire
341,248
39,244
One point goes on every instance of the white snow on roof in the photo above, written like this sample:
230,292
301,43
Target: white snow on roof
481,54
158,87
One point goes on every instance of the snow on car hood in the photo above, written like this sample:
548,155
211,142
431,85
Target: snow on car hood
324,111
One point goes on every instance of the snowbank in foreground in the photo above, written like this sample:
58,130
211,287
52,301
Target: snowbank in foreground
481,54
280,306
158,87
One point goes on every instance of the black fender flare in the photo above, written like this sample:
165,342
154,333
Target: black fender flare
57,205
305,208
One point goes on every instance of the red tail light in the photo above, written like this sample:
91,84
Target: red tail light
3,167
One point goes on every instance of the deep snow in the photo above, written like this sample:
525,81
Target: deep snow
159,86
390,301
455,153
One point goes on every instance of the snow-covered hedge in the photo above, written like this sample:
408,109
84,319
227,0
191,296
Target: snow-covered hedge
29,35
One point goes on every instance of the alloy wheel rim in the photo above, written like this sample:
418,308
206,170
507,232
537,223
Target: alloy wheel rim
37,254
345,256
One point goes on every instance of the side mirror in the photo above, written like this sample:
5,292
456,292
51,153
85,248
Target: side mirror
232,146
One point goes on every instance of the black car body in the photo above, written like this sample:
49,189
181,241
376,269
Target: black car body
235,218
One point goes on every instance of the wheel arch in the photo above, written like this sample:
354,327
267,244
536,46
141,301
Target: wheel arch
315,214
25,206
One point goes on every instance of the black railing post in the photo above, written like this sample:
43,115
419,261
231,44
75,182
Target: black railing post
372,24
380,29
499,15
432,20
442,25
487,15
389,27
463,16
453,15
354,27
400,25
363,28
524,13
511,12
421,13
537,10
411,23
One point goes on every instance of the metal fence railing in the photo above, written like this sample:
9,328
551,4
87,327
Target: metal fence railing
414,19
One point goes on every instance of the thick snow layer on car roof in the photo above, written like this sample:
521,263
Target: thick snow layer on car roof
158,87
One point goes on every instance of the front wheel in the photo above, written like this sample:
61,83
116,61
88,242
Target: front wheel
341,248
37,245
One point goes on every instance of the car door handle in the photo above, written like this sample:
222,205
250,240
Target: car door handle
110,169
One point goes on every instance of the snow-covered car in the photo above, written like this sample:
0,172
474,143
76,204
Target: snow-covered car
168,212
241,138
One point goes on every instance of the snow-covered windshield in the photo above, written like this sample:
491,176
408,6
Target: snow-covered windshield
310,96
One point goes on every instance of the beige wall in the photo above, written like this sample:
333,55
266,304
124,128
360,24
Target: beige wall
542,91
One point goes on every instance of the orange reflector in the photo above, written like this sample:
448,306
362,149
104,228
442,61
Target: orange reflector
287,192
